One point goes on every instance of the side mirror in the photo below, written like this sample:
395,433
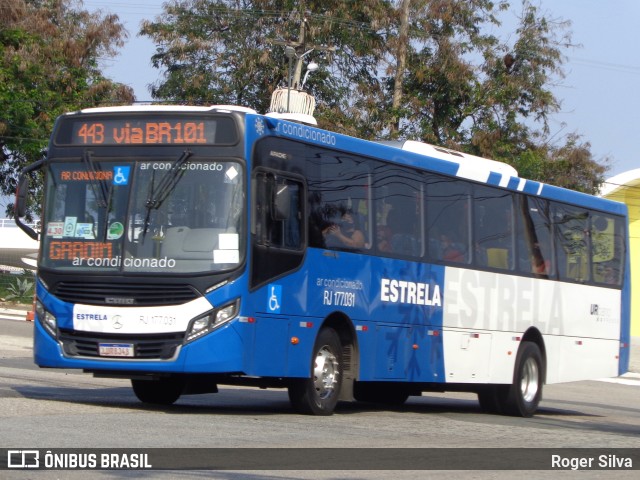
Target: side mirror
20,207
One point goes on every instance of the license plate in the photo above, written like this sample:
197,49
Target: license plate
115,349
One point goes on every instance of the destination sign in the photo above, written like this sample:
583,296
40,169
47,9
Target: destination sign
137,130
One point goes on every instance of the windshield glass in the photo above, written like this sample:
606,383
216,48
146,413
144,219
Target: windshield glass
181,215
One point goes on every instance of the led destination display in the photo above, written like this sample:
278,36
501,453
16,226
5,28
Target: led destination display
137,130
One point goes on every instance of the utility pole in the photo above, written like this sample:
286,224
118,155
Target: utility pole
293,100
298,49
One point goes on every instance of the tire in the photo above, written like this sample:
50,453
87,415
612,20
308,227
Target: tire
318,395
388,394
524,395
163,391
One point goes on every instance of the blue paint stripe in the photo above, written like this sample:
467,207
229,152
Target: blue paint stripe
513,183
494,178
531,187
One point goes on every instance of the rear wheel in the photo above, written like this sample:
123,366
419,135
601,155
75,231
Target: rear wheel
319,394
162,391
525,393
522,397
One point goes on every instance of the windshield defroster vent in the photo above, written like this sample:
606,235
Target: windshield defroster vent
123,294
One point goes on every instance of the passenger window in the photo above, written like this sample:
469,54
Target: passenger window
399,211
493,228
340,203
533,236
572,243
448,220
278,211
607,240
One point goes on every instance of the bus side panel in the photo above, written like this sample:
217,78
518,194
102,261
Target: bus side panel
282,347
394,307
468,356
567,315
269,352
585,359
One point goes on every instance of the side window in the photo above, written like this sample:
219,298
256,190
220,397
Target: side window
572,242
493,228
607,248
448,205
399,224
339,202
278,211
277,232
533,236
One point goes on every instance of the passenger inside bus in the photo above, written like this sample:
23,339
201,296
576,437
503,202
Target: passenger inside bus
402,222
450,251
383,235
345,233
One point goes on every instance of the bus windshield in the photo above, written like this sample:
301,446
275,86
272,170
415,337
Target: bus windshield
181,214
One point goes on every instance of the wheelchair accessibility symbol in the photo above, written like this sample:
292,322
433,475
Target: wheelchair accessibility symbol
121,175
275,298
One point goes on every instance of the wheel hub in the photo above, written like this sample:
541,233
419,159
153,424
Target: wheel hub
530,377
325,372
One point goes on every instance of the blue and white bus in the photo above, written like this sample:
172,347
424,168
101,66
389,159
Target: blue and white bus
189,247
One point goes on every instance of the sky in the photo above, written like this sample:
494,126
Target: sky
599,95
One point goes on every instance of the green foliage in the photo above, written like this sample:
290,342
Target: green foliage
430,70
49,55
21,290
17,288
225,51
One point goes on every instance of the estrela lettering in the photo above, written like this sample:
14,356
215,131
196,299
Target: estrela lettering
414,293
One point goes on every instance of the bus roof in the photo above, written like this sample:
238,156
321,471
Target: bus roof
164,108
467,162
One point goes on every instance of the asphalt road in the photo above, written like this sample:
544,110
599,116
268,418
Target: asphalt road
53,409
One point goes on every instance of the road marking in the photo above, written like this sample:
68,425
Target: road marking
629,378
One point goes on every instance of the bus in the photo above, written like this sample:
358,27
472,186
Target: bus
183,248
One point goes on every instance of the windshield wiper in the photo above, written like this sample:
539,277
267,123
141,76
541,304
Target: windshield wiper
158,194
106,212
100,190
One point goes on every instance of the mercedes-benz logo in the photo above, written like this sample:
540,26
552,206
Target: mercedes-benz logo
116,322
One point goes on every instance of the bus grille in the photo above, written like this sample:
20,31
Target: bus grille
122,294
148,347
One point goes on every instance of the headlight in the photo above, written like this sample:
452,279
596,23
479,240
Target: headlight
204,324
47,319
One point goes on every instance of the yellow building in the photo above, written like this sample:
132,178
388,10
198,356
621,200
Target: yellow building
626,188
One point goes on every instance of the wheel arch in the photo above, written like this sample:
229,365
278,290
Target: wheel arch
343,325
533,335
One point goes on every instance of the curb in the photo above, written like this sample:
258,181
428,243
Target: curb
25,313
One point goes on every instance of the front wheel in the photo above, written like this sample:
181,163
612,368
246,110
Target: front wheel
162,391
319,394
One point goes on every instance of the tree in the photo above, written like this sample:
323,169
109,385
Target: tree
572,166
49,51
230,51
430,70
